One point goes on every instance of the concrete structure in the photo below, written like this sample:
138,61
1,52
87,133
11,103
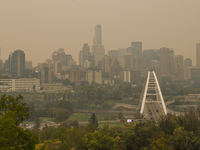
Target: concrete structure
75,76
126,76
152,104
21,84
187,62
57,67
17,64
94,76
164,61
198,55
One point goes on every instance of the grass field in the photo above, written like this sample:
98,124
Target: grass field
41,120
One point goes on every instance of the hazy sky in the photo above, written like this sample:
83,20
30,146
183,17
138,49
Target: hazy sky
38,27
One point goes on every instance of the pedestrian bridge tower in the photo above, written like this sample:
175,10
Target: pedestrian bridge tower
152,104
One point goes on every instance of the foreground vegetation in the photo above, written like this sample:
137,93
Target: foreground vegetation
169,132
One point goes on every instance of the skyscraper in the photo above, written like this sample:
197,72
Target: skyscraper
198,55
136,48
98,35
17,64
98,50
164,61
83,54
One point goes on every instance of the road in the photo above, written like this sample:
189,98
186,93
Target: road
153,110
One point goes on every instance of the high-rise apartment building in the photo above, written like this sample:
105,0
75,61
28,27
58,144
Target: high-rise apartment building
164,61
187,62
198,55
17,64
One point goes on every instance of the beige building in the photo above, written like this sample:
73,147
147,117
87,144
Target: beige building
94,76
87,64
187,62
198,55
21,84
126,75
58,67
177,64
75,76
190,72
164,61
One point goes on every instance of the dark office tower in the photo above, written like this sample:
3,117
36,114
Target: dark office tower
148,56
136,48
68,57
83,54
164,60
113,53
98,35
17,64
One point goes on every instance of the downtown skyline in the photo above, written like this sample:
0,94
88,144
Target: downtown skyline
45,28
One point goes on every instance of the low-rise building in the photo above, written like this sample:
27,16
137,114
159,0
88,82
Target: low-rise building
21,84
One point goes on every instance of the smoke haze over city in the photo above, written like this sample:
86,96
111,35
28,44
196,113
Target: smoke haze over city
41,27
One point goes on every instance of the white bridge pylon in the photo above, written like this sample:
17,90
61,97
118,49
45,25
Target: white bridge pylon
152,85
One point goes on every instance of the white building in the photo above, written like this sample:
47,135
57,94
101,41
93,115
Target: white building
22,84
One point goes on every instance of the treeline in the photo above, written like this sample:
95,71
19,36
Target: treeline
170,132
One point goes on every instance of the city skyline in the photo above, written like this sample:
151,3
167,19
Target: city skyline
45,28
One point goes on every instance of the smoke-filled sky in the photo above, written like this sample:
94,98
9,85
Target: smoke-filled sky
38,27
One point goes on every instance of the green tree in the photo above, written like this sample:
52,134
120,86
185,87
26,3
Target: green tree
12,112
93,122
37,122
61,115
97,141
32,112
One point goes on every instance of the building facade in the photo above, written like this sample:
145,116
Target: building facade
21,84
